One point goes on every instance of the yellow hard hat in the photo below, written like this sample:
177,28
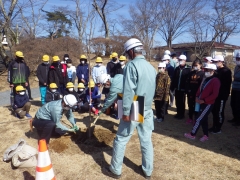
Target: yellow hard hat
99,60
55,58
45,58
53,86
81,85
91,83
70,85
110,57
19,54
83,57
122,58
20,88
114,54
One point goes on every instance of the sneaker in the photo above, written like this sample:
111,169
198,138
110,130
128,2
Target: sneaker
145,176
204,138
215,131
189,121
189,136
160,120
111,174
28,115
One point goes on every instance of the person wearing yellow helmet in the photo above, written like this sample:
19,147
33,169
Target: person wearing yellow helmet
111,66
70,90
121,65
81,95
83,71
98,69
52,93
42,75
17,72
21,103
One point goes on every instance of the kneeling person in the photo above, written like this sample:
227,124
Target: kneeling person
52,93
47,118
21,104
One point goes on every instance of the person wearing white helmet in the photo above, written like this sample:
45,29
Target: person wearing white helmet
47,120
205,98
161,96
179,85
208,59
115,86
139,78
224,74
235,93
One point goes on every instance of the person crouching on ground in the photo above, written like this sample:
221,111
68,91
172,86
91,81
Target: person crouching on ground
161,96
205,98
95,99
47,120
52,93
70,90
21,104
81,95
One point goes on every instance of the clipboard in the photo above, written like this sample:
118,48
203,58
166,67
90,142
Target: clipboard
137,108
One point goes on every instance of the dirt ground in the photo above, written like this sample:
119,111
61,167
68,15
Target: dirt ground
175,157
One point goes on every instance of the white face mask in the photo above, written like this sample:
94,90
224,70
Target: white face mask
81,90
22,93
83,62
69,65
238,63
160,70
45,62
70,89
182,62
99,64
66,58
195,68
166,62
208,74
53,90
122,62
107,86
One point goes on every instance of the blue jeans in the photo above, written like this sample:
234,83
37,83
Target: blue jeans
124,133
43,91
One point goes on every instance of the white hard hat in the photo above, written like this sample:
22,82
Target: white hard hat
166,57
132,43
208,58
210,66
70,100
162,64
218,58
103,78
238,55
167,52
182,57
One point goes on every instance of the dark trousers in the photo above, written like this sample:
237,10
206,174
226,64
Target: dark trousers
191,106
160,107
29,90
202,119
218,113
95,104
235,104
180,102
61,88
44,128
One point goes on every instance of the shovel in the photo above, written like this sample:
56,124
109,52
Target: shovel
93,124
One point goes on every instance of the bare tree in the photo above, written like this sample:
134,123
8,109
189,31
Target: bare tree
176,17
225,18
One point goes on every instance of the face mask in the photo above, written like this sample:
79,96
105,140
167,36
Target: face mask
107,86
195,68
46,63
70,89
69,65
238,63
208,74
53,90
66,108
22,93
160,70
66,58
166,62
182,62
83,62
81,90
99,64
122,63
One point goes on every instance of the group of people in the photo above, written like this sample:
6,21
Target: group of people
206,84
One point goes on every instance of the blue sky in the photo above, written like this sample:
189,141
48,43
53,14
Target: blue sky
235,39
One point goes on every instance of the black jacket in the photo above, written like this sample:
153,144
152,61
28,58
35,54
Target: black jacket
179,78
119,69
194,80
111,68
55,75
52,96
42,73
224,74
82,96
17,72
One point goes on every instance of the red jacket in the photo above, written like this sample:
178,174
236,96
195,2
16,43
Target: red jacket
210,92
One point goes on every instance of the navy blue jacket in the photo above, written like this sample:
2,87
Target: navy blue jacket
83,72
95,94
20,100
170,71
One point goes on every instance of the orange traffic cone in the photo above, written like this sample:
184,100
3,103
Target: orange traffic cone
44,170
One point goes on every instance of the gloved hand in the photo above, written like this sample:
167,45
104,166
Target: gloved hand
75,127
71,130
99,113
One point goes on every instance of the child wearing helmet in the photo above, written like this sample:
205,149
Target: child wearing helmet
21,104
70,90
52,93
121,65
81,95
83,71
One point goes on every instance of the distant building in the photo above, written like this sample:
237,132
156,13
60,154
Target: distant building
188,49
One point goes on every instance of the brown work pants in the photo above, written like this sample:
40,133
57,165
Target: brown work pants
23,110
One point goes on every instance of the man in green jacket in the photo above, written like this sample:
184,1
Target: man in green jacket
47,118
